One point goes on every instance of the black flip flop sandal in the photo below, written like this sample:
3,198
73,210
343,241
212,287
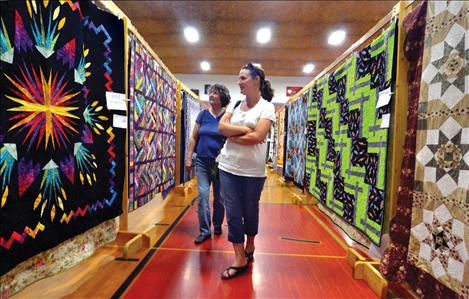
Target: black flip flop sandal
238,271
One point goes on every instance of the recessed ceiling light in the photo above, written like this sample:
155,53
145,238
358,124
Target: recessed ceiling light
191,34
336,37
205,66
263,35
308,68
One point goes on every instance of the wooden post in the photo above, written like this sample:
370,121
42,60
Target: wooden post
399,120
124,218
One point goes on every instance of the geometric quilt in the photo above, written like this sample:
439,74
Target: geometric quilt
272,156
152,129
440,216
61,160
191,109
348,137
296,139
280,140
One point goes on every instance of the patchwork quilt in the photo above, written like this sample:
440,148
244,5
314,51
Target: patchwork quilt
440,218
296,139
348,136
191,108
152,130
281,139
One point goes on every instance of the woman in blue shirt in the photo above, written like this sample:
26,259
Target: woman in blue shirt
207,142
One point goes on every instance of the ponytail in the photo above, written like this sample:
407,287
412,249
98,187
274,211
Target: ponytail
267,92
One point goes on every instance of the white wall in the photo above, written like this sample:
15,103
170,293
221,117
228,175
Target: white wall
279,84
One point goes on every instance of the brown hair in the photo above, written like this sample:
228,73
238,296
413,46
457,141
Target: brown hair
265,86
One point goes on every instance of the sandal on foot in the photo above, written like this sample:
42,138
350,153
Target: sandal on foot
237,271
249,256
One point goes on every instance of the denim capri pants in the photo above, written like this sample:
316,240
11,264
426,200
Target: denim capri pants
241,196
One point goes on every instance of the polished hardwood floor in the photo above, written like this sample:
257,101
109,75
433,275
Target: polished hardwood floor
299,254
295,258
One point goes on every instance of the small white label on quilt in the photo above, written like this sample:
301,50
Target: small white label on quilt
115,101
384,98
119,121
385,120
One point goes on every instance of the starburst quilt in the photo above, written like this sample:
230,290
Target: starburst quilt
152,131
61,161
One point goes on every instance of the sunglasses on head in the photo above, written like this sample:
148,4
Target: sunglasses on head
252,69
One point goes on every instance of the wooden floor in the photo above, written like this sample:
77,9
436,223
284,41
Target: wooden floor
299,254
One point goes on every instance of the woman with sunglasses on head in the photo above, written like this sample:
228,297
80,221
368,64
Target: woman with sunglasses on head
207,142
242,162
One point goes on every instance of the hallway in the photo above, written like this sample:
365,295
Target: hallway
299,254
296,256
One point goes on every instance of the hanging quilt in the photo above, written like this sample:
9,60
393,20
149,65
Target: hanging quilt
440,219
276,141
191,109
272,145
152,133
347,137
58,259
290,119
394,264
61,161
281,140
296,139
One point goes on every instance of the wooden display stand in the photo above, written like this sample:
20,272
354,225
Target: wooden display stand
304,199
367,270
281,181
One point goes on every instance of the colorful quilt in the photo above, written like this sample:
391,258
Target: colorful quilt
440,219
191,109
61,161
272,145
152,133
58,259
348,139
296,139
281,139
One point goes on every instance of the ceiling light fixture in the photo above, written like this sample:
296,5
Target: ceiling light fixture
191,34
308,68
205,66
263,35
336,38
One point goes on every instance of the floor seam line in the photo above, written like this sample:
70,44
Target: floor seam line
257,253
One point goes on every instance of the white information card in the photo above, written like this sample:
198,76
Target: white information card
119,121
116,101
385,120
384,98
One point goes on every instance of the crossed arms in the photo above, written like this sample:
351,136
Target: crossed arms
242,134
